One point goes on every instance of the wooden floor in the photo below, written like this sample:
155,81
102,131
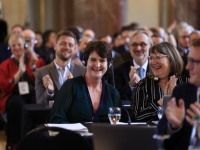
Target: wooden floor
2,140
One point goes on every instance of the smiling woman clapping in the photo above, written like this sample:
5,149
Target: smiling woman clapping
87,98
166,67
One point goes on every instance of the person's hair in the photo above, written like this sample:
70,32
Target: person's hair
196,43
15,37
141,32
18,25
157,36
76,32
176,61
195,32
102,49
65,33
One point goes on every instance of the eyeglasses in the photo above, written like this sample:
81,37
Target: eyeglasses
143,45
156,57
193,62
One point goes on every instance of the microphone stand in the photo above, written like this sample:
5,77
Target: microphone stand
129,118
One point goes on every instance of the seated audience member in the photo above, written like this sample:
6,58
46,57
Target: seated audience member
39,40
50,78
90,33
87,98
29,37
124,49
130,72
17,86
46,51
82,45
156,38
5,52
117,40
194,36
117,59
183,106
166,67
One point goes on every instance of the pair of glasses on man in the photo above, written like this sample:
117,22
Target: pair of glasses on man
142,45
193,62
156,57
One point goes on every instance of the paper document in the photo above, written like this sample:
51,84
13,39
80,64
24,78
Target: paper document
132,123
72,127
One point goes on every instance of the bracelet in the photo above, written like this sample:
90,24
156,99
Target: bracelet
34,68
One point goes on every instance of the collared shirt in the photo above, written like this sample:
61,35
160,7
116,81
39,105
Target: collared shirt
143,66
62,72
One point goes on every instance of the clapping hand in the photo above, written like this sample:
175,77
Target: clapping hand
69,75
175,114
22,66
170,85
134,77
192,111
48,84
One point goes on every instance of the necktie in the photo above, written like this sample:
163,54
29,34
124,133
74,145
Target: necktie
140,72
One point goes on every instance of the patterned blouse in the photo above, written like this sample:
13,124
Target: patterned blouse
144,102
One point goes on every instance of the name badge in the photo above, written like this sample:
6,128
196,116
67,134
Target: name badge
23,87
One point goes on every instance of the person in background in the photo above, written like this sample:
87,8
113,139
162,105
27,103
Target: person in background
117,59
87,98
46,52
82,45
29,37
166,67
129,73
39,40
183,106
5,51
90,33
156,38
50,78
17,86
117,40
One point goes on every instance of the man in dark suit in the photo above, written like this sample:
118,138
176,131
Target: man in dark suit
186,98
50,78
130,72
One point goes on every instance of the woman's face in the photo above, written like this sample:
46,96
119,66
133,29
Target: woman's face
96,66
160,65
17,47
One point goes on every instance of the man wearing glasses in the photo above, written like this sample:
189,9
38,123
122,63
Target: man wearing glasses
183,106
128,74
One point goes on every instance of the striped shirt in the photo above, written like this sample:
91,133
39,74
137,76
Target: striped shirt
144,102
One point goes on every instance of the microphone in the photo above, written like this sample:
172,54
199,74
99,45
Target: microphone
125,104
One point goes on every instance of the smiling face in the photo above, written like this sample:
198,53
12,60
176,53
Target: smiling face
160,67
65,48
140,48
17,46
96,66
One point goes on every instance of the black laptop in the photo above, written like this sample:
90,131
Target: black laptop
123,137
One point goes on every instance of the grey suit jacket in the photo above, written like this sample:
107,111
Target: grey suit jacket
41,94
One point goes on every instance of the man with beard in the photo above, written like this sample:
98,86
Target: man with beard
128,74
50,78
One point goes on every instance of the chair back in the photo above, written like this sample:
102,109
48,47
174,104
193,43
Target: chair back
52,138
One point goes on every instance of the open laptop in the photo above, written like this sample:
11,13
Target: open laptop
123,137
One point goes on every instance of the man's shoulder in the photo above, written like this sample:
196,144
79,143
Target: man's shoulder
124,65
45,68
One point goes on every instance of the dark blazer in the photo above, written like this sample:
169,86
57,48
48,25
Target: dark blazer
179,140
121,75
41,94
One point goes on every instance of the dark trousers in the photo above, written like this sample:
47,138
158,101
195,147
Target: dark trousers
14,109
